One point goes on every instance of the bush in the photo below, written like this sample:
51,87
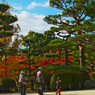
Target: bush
66,79
7,83
73,77
87,77
47,77
77,77
92,76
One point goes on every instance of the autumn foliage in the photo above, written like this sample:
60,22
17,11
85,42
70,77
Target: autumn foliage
60,61
11,67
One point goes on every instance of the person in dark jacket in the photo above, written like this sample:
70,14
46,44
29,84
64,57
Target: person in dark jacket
40,80
58,86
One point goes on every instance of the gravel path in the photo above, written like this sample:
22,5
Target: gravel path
77,92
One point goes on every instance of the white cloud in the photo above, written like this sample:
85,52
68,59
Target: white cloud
34,22
34,4
18,7
46,4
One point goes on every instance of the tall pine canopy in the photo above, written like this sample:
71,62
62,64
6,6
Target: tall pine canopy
5,24
77,18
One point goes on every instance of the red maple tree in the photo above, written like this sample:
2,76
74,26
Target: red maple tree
11,68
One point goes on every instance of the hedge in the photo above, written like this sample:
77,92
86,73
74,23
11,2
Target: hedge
7,83
47,77
68,77
86,75
77,77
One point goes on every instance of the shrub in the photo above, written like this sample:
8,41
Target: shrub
73,77
87,77
66,79
92,76
77,77
47,77
7,83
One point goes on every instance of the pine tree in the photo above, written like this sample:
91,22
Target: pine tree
5,24
81,19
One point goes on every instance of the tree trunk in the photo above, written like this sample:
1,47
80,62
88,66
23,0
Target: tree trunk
30,70
66,56
82,57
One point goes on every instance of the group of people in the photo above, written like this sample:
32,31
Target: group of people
39,80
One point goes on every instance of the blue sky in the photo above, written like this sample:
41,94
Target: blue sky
30,14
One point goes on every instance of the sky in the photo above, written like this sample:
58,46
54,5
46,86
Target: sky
30,14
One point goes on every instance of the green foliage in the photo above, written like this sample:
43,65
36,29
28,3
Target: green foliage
40,41
89,41
74,52
4,51
12,51
92,76
69,76
78,77
47,77
7,83
8,18
52,67
1,52
3,7
90,52
66,79
6,29
2,44
80,25
51,55
87,77
4,34
83,38
55,44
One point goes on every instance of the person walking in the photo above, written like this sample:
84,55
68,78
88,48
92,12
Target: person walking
40,80
58,86
22,83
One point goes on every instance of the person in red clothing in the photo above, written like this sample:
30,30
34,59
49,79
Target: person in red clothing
58,86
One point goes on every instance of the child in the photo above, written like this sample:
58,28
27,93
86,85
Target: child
58,86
